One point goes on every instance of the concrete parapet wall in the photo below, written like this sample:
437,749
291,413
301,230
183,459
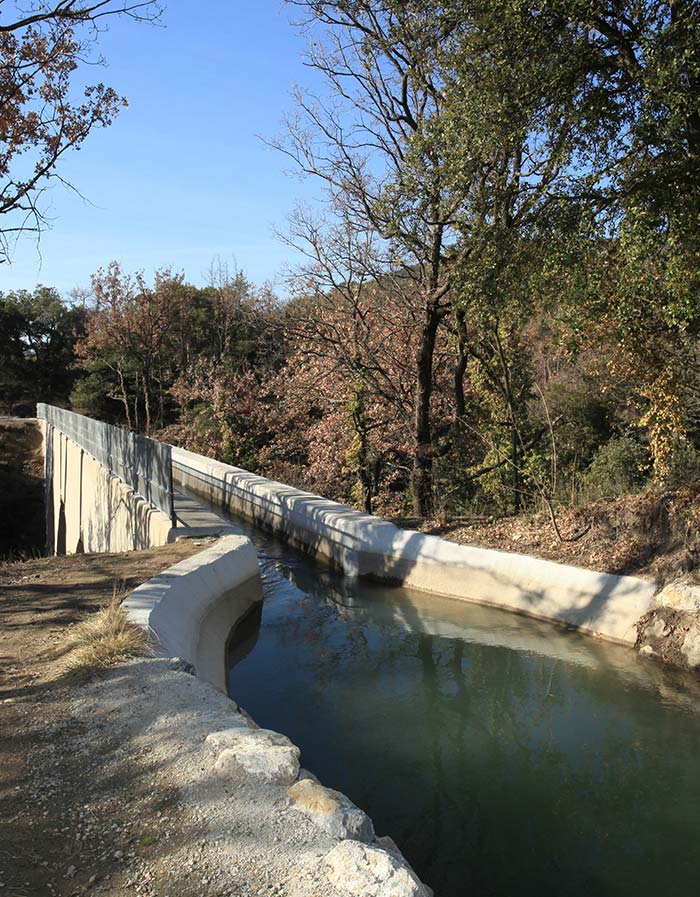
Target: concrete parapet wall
89,509
191,608
602,604
137,460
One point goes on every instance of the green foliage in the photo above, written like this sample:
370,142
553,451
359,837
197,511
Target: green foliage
618,467
683,465
89,396
37,349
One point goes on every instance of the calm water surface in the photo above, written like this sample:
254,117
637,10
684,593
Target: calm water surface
504,756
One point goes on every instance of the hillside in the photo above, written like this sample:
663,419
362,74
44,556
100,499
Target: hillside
22,527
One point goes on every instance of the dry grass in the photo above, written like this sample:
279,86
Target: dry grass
104,639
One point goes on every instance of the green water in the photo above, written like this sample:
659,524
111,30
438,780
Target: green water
504,756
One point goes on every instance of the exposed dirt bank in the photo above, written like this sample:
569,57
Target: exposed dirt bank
22,526
654,535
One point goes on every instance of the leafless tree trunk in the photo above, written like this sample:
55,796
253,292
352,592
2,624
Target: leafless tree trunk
365,143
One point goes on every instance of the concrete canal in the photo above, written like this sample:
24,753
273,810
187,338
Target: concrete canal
504,756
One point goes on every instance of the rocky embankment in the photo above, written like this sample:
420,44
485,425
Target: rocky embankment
267,826
670,633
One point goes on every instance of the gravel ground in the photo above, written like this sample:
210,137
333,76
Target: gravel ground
109,787
209,836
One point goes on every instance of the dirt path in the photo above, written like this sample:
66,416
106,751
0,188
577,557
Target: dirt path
110,787
65,826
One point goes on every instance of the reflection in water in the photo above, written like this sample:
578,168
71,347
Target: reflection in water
503,755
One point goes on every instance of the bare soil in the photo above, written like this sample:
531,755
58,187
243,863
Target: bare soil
109,787
653,535
65,827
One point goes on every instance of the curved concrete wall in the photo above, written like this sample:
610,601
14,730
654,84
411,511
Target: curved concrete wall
361,545
191,607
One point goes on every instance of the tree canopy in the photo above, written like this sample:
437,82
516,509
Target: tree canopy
497,303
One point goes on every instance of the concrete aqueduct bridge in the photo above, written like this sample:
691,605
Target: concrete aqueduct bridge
106,489
109,491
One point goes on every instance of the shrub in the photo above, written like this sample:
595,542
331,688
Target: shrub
101,641
618,467
683,465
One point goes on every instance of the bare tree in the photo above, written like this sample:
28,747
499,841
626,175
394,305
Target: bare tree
351,315
42,114
369,141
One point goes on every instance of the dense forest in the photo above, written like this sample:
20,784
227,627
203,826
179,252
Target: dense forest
497,308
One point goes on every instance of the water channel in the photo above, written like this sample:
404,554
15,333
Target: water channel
505,756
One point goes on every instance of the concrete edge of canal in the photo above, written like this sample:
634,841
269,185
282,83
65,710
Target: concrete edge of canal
601,604
189,611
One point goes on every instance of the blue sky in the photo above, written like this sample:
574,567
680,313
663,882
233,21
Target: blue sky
181,176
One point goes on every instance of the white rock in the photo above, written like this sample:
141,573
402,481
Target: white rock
331,811
178,665
680,596
228,737
256,753
365,871
387,843
691,647
658,629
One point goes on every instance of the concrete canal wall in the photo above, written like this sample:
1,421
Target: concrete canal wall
107,490
110,490
361,545
246,777
190,609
